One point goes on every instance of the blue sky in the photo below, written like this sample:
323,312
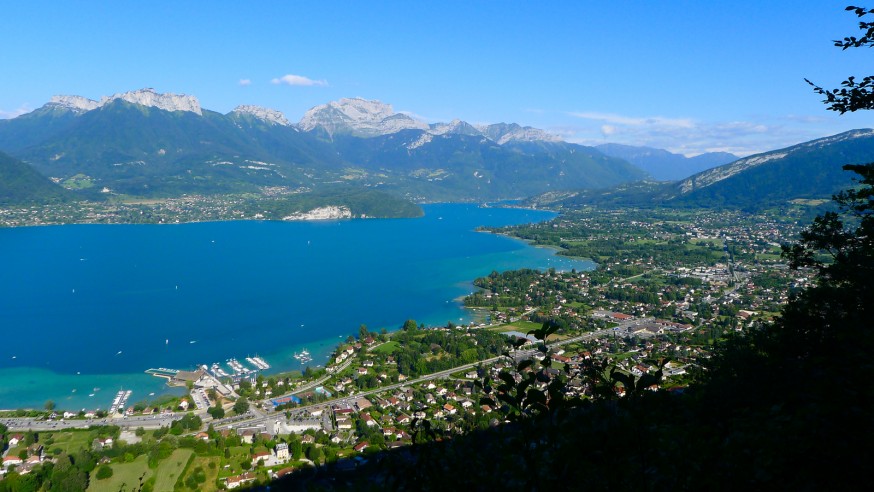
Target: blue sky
690,76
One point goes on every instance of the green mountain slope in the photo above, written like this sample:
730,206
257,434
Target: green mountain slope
361,203
810,170
32,128
21,184
140,150
807,171
457,166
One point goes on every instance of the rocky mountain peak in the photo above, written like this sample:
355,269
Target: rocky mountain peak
151,98
455,126
265,114
358,116
369,118
143,97
74,103
502,133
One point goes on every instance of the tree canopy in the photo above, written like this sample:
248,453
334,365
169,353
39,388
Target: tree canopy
853,94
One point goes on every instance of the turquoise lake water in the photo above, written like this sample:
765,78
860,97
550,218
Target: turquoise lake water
85,309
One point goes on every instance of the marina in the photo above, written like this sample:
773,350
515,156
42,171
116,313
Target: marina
119,401
218,372
258,362
237,368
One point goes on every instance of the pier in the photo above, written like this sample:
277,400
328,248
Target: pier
163,372
120,401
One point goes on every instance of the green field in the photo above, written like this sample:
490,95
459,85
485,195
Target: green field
239,454
525,326
124,476
211,472
718,242
78,182
171,469
71,442
386,348
520,326
503,328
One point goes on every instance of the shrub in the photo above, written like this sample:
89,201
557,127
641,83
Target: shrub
104,472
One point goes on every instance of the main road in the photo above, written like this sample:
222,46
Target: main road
257,417
262,419
146,422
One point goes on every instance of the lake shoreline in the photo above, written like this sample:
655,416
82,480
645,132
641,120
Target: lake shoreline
236,288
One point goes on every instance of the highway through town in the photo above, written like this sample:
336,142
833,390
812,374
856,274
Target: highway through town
261,418
257,417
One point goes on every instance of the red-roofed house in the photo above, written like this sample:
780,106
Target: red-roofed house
11,460
260,455
361,446
236,481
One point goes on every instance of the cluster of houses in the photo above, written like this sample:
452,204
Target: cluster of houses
22,458
277,456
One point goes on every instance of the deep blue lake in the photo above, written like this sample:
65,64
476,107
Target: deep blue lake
85,309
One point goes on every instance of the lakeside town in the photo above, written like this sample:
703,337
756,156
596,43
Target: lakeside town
124,210
652,310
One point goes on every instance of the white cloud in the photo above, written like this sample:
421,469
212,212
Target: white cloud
634,121
690,137
245,82
15,112
608,130
299,80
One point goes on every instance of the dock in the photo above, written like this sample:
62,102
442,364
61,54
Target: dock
258,362
120,401
163,372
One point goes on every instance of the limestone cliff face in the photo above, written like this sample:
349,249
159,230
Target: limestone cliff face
359,117
143,97
365,118
512,132
74,103
150,98
268,115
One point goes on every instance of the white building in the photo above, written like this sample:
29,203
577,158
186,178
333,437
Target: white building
282,451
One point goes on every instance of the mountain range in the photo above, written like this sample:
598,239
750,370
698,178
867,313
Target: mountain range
146,144
663,165
143,143
807,171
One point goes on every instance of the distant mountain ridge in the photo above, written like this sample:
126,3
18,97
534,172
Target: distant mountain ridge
358,117
144,143
142,97
369,118
806,171
663,165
